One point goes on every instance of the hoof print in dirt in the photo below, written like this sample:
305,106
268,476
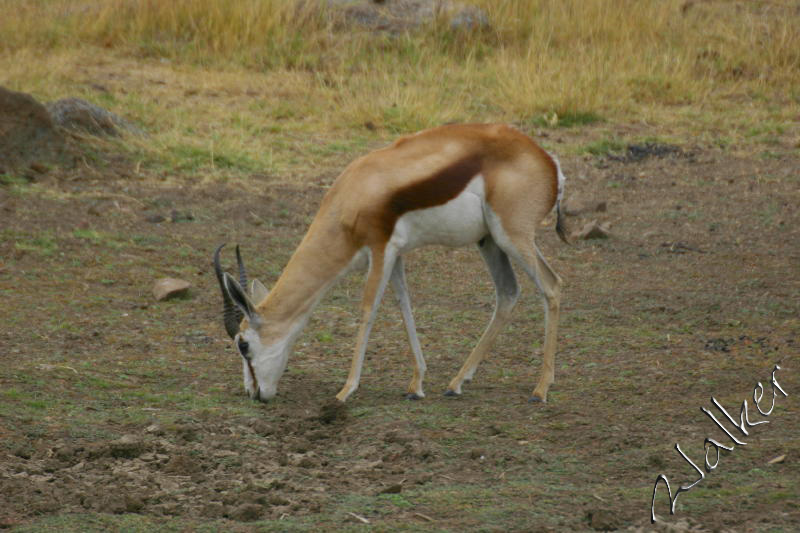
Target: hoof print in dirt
333,411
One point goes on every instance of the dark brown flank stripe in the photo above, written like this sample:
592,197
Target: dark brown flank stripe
437,189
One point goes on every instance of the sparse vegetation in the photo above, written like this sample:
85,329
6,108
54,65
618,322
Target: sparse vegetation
276,79
121,413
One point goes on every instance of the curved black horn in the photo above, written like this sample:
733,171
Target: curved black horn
230,313
242,271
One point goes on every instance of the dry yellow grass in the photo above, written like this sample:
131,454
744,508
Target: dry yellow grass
264,83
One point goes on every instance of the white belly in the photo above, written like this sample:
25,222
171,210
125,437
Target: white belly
459,222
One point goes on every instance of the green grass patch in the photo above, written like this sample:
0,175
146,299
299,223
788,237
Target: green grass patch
41,245
604,147
566,119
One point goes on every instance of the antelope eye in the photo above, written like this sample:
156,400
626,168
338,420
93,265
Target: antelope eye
243,346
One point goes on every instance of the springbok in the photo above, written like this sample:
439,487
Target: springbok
453,185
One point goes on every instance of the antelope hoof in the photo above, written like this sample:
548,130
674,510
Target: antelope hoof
451,392
536,399
412,396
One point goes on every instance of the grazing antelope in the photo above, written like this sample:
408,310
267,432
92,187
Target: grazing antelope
453,185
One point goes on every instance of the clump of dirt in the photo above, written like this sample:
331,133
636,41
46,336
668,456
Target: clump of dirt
28,133
333,411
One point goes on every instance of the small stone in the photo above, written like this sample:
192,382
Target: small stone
592,230
167,288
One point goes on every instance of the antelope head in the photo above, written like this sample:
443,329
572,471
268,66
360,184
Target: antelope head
263,360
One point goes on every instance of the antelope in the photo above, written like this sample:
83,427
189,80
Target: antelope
455,185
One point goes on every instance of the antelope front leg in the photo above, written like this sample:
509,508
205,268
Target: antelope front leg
381,263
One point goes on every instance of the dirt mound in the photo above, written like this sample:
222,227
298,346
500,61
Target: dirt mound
27,132
79,115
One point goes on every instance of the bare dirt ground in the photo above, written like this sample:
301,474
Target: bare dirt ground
120,413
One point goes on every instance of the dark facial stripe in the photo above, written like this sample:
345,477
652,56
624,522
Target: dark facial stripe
438,189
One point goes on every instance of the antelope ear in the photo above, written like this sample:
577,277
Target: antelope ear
240,299
258,291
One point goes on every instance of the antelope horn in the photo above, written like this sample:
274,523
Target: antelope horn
242,271
230,313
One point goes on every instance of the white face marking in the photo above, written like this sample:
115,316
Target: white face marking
459,222
268,362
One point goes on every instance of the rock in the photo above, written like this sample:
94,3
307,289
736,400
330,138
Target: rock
397,16
592,230
27,132
167,288
79,115
469,18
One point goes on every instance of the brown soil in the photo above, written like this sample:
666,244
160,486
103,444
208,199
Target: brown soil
112,403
